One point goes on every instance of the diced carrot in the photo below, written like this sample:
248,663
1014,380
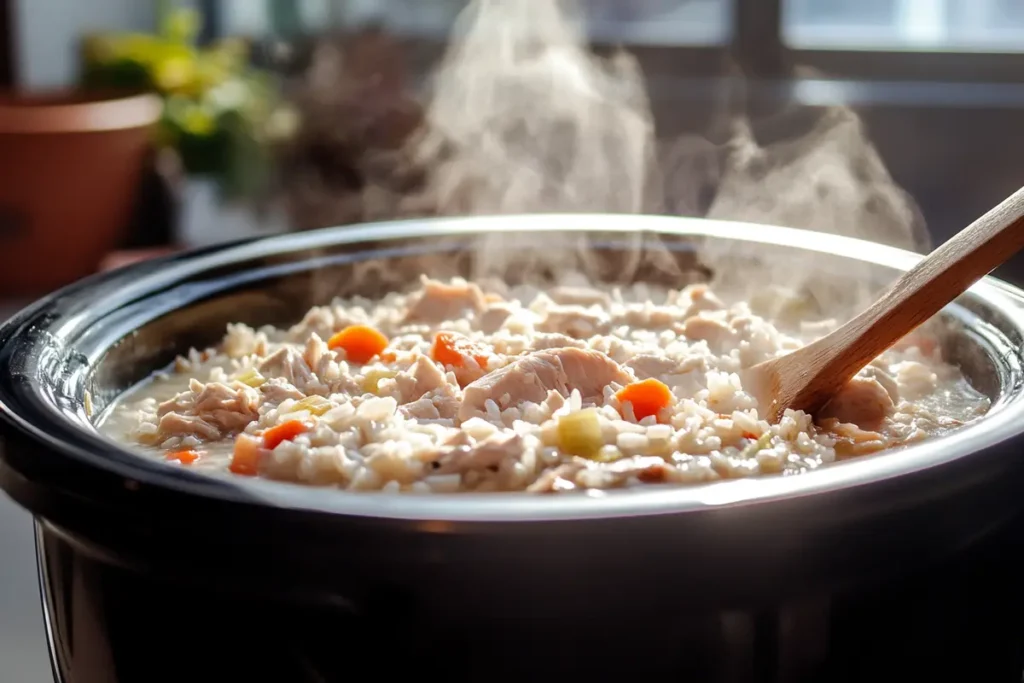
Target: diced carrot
360,342
452,348
186,457
653,474
925,343
246,458
286,431
648,397
388,357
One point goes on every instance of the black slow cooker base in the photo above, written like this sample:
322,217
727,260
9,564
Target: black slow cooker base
960,620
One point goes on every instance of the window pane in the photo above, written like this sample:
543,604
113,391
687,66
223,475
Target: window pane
964,25
245,17
664,22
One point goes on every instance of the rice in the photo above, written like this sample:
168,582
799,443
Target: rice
531,396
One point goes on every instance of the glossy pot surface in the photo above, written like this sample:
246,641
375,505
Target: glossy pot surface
893,563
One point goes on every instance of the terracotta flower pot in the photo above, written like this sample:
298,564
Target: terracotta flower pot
70,166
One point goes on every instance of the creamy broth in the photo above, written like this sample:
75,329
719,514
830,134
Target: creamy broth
462,387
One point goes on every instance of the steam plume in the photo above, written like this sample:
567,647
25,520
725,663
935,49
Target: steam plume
521,117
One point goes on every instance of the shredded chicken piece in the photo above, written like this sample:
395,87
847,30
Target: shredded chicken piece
651,317
439,302
316,348
852,441
489,453
887,381
233,408
542,342
575,321
701,299
420,409
647,366
531,378
647,469
178,424
560,478
446,401
423,377
702,328
494,317
917,379
277,391
209,411
241,340
554,400
287,364
323,321
579,296
863,402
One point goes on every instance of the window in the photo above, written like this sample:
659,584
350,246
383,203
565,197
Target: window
660,22
935,25
636,22
873,40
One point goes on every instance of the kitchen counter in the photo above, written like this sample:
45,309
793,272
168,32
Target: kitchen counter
23,654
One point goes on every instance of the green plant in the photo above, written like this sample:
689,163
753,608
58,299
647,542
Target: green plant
219,113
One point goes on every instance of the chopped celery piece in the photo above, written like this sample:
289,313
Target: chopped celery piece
371,380
756,447
314,405
608,454
252,378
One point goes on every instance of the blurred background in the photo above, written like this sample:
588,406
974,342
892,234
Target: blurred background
275,115
252,117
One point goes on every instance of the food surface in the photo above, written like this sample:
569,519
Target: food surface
461,386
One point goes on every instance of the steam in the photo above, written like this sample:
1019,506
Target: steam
830,180
521,117
814,170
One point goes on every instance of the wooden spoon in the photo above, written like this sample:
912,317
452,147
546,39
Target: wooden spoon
808,378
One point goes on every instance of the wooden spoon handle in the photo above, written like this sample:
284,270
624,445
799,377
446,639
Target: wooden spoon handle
934,282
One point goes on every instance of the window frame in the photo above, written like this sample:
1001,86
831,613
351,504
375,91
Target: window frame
6,43
895,65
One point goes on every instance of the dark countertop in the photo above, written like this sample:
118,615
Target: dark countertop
23,653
